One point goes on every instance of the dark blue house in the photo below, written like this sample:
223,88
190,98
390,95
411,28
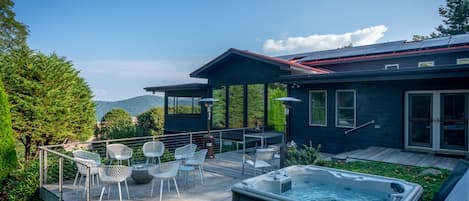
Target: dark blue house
408,95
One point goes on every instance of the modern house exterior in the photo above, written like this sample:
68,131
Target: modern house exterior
408,95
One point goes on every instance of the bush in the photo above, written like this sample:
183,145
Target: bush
8,161
22,184
151,122
117,124
307,155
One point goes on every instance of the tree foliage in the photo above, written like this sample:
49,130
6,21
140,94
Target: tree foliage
456,18
117,123
49,101
151,122
8,159
12,33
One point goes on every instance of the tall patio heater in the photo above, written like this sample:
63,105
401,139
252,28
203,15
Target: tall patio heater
209,140
287,101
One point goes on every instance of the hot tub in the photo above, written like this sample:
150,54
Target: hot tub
314,183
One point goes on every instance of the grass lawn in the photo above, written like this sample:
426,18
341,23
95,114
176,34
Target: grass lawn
430,183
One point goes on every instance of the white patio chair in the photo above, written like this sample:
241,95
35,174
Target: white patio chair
153,150
198,161
166,171
185,152
276,160
120,153
88,157
262,159
83,170
114,174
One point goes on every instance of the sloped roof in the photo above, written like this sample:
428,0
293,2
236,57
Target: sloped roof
282,63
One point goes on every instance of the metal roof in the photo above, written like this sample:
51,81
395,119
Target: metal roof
380,48
177,87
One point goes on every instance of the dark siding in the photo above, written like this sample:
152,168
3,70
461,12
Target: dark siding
380,101
185,123
404,62
242,70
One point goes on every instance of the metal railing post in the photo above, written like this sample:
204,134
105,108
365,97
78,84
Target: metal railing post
88,183
61,175
190,137
105,148
221,141
41,153
45,167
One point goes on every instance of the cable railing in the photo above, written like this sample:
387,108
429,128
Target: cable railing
56,165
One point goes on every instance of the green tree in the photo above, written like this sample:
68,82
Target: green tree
151,122
12,33
117,124
49,101
456,18
8,161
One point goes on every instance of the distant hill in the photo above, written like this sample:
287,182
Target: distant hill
134,106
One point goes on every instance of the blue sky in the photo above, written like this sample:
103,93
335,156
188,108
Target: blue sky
122,46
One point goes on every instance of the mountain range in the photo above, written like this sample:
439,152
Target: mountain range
134,106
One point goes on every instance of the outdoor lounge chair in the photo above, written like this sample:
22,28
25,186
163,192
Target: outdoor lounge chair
119,152
90,158
198,161
263,159
451,181
166,171
185,152
114,174
153,150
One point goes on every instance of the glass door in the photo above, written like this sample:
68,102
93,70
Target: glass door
420,119
453,121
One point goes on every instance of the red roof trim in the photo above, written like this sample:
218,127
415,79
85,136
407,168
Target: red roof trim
383,55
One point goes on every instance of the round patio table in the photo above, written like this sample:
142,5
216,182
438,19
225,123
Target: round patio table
140,173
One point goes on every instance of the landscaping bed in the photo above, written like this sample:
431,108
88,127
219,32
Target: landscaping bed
430,183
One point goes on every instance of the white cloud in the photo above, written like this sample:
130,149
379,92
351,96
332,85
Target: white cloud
316,42
122,79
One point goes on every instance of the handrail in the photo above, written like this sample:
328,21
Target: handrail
361,126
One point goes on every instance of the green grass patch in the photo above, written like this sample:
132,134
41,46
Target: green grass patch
430,183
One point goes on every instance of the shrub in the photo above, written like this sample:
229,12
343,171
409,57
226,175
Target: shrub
8,161
307,155
151,122
117,124
22,184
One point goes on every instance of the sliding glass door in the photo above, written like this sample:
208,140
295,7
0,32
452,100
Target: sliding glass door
420,119
453,121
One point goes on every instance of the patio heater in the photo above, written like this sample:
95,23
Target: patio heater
209,140
287,101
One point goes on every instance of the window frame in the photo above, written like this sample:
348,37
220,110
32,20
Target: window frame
391,65
354,108
461,59
310,108
422,62
175,105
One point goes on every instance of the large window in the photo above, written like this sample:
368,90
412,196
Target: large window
462,61
236,106
345,108
424,64
276,110
183,105
255,105
219,108
318,107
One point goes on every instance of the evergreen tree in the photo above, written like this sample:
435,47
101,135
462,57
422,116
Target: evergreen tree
12,33
151,122
456,18
117,124
49,101
8,161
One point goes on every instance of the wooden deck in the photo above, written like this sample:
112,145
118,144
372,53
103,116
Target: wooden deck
399,156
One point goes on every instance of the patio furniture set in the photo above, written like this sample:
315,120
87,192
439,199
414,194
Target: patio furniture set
187,160
263,159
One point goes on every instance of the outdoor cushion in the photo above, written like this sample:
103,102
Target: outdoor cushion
451,181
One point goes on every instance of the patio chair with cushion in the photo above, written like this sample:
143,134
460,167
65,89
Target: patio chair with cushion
198,161
167,171
120,153
185,152
263,159
153,150
114,174
88,157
